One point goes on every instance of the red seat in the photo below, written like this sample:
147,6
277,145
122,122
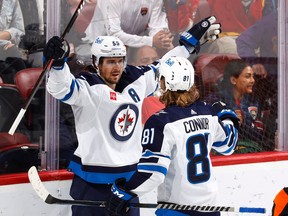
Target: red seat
35,114
26,79
16,138
10,105
17,153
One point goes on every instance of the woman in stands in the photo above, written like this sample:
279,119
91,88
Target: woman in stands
236,90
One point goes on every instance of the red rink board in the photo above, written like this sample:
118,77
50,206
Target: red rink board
58,175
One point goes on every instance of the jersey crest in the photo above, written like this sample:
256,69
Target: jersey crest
144,11
123,122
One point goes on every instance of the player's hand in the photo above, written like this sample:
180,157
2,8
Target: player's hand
200,33
58,50
219,108
117,205
213,31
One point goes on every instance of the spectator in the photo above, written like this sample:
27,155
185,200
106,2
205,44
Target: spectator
136,23
235,17
34,39
181,14
259,45
150,106
260,39
11,28
150,20
143,56
236,91
107,109
265,90
175,142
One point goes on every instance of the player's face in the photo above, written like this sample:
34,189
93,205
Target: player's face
111,69
245,82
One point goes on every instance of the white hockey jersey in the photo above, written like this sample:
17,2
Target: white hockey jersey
176,154
108,122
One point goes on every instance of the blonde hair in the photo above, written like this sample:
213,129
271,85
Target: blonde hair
180,98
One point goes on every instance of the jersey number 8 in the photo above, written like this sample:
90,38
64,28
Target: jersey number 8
198,169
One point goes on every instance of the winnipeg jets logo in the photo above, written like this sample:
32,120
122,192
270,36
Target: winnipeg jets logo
123,122
99,40
204,24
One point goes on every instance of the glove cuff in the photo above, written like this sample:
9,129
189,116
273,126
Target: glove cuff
229,114
59,64
189,42
119,190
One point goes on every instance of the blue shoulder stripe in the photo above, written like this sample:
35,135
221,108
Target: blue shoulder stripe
149,153
153,168
72,87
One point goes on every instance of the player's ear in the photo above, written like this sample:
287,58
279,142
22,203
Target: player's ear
233,80
162,83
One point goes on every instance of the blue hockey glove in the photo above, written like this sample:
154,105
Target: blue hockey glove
199,34
58,50
117,205
219,108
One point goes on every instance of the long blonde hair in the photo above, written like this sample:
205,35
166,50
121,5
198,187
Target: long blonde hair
180,98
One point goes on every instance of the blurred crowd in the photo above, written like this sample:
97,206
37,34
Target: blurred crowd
240,67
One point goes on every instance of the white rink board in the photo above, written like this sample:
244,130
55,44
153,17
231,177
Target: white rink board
247,185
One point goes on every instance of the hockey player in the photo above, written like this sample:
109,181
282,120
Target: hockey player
107,109
176,144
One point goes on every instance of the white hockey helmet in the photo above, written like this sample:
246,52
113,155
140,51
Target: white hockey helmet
107,46
178,73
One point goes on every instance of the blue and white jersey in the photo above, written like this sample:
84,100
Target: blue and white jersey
176,154
108,122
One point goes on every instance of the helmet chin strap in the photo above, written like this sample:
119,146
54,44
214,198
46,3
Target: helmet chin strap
95,66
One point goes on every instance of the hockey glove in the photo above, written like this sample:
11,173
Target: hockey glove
219,108
199,34
58,50
117,205
280,203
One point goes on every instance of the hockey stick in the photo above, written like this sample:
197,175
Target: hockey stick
42,192
44,71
